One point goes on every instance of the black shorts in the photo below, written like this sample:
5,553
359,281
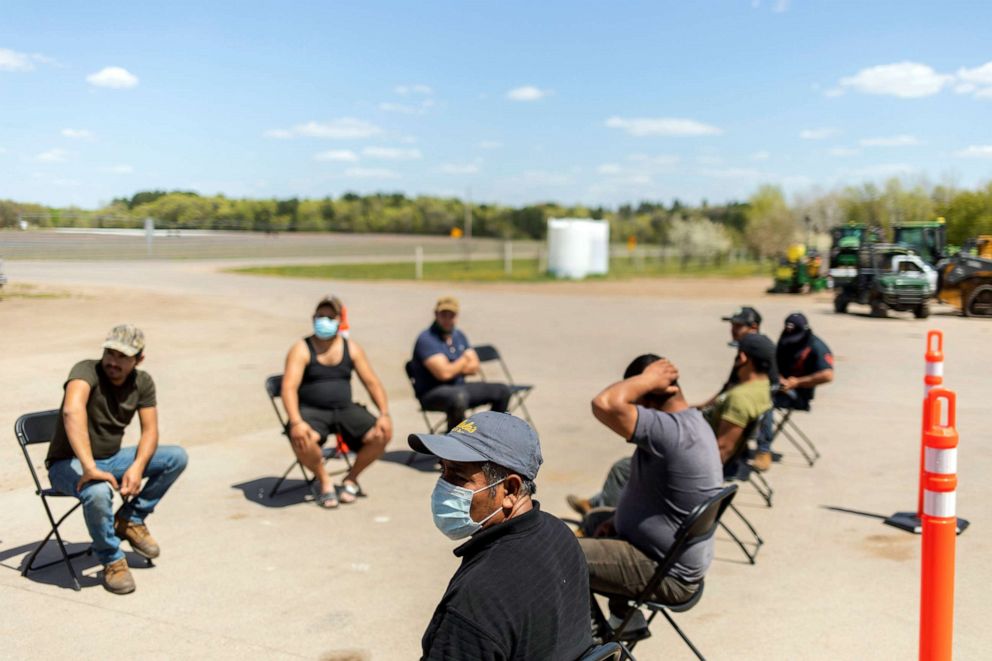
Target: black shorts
353,421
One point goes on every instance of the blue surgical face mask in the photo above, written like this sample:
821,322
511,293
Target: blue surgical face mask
451,507
325,328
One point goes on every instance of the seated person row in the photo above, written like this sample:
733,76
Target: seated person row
731,415
442,358
316,392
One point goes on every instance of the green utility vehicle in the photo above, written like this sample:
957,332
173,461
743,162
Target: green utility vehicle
887,277
846,240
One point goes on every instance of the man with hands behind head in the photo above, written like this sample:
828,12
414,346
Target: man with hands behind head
86,460
675,467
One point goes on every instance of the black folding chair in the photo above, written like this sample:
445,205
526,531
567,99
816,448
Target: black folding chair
34,429
785,422
434,426
518,392
697,526
607,652
273,387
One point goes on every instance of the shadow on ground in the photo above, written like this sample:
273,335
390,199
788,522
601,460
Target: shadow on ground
57,574
420,462
291,492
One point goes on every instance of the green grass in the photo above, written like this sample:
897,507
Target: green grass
30,291
523,270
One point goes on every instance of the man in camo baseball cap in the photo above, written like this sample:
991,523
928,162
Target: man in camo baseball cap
126,338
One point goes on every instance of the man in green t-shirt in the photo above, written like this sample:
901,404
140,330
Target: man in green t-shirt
736,411
85,458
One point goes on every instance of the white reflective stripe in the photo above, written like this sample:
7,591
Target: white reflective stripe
935,369
940,461
939,503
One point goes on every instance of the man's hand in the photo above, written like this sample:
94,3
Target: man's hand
384,427
471,362
664,374
131,482
94,474
605,529
300,433
788,383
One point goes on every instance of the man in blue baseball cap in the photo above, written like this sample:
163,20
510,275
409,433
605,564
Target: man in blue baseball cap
522,590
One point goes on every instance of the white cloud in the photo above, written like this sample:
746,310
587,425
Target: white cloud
902,79
119,169
78,134
656,160
833,92
527,93
663,126
733,173
545,178
760,156
343,128
975,151
821,133
981,75
406,90
370,173
392,153
113,77
13,61
490,144
337,155
406,108
459,168
984,93
53,156
843,151
781,6
903,140
883,170
965,88
609,168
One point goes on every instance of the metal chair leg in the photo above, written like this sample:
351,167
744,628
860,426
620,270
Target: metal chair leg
750,557
699,655
760,484
806,440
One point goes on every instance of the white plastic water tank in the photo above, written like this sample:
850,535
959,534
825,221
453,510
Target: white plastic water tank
578,247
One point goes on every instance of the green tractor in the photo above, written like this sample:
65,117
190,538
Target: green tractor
846,240
799,271
927,238
887,277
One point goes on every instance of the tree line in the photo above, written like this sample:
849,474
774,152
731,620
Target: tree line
763,225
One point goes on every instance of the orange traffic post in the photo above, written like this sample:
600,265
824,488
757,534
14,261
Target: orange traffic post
933,377
939,527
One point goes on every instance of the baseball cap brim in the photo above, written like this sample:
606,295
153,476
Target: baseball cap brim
125,349
444,447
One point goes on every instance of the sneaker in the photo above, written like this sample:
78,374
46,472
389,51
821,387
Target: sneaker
636,629
762,461
580,505
117,577
137,534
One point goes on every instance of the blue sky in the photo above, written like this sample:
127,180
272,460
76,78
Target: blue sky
589,102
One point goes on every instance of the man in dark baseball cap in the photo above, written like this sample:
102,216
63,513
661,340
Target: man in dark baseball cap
522,590
746,317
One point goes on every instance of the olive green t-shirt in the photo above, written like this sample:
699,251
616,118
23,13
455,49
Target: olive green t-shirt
742,405
109,410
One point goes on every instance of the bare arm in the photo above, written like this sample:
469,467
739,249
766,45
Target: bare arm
369,378
76,421
131,482
727,437
296,362
443,369
615,406
808,381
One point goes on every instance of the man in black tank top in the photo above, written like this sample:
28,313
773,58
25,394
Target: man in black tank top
316,391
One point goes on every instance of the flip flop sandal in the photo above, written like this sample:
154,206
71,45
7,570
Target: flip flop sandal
348,492
326,501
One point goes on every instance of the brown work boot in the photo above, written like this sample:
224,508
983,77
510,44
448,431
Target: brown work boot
117,577
580,505
762,461
137,533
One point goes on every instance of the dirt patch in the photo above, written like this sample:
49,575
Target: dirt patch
899,548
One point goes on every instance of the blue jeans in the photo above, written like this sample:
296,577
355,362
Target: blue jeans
165,466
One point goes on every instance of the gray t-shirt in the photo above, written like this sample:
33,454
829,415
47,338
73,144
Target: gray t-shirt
676,466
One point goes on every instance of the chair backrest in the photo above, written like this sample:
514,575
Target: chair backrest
273,388
38,427
35,428
698,525
608,652
273,385
486,352
411,374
